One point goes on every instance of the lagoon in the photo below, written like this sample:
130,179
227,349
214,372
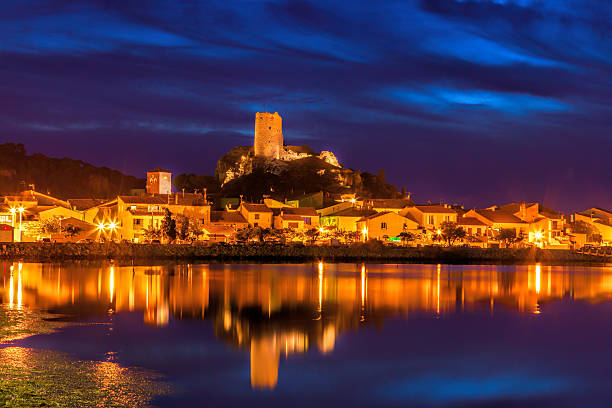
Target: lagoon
328,334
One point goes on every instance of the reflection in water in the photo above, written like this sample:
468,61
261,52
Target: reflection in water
280,310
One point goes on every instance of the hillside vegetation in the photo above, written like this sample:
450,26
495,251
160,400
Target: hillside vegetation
62,178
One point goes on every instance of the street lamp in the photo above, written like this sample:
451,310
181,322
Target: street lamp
20,213
13,214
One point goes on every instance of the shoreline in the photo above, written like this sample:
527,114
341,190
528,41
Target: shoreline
274,253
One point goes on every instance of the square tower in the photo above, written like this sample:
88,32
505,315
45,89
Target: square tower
159,181
268,135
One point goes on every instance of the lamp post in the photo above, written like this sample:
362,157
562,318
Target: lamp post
13,216
20,213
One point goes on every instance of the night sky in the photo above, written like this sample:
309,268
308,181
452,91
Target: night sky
478,102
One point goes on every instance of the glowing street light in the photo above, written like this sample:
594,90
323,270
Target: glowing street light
20,209
13,210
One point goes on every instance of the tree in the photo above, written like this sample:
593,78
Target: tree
168,226
451,232
507,235
151,233
406,237
50,225
245,234
184,227
312,235
352,236
71,230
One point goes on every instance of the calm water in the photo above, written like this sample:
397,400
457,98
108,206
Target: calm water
305,335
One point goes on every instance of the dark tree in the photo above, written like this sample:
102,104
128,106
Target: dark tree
168,226
451,232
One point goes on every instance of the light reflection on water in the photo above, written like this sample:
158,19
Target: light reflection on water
274,311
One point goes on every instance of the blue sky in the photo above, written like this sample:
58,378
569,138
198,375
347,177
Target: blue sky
478,102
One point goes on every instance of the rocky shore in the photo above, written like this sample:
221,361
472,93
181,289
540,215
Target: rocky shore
46,252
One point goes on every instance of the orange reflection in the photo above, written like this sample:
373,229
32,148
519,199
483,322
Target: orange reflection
276,311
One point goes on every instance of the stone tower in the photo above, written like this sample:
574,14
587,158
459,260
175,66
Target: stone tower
268,135
159,181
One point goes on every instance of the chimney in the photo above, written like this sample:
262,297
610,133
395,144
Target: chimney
183,193
204,191
408,196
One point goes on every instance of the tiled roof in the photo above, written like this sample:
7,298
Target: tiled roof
256,207
228,217
435,209
292,217
353,212
144,199
379,214
219,229
394,203
469,221
158,170
302,211
499,216
84,203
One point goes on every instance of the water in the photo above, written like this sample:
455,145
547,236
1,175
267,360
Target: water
305,335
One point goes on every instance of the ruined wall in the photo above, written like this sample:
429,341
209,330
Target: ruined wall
268,135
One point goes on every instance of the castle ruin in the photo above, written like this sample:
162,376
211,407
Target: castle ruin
268,135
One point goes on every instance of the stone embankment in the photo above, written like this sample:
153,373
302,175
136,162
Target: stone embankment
45,252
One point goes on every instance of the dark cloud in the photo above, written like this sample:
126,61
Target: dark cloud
471,101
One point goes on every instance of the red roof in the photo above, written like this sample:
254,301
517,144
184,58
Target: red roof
256,207
435,209
227,217
469,221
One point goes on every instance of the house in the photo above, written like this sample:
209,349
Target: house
498,220
431,216
231,219
395,205
599,218
257,215
218,233
472,226
546,226
301,218
385,225
345,219
7,233
137,214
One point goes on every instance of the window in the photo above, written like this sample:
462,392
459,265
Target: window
256,216
5,218
470,231
255,224
383,225
307,220
137,222
294,225
431,219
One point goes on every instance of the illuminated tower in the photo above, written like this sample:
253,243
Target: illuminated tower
159,181
268,135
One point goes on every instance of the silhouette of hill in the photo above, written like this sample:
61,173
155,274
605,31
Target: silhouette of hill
62,178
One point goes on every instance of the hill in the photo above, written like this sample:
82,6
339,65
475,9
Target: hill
62,178
300,170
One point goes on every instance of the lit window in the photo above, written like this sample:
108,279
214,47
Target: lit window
383,225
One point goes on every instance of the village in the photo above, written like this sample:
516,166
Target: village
158,215
161,216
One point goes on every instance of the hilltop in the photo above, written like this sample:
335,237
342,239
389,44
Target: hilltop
63,178
299,170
